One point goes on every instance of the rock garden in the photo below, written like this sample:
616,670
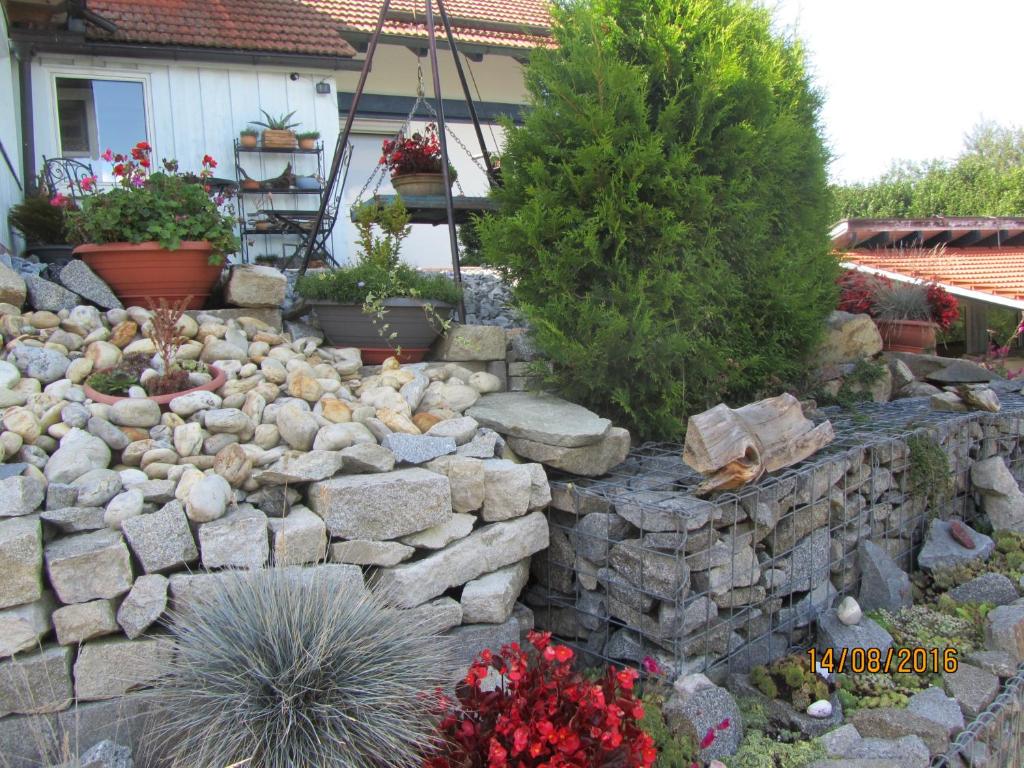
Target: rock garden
670,495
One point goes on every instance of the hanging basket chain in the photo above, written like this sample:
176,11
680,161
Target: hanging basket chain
379,173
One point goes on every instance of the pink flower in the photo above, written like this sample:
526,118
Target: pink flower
650,666
709,739
58,200
88,183
108,155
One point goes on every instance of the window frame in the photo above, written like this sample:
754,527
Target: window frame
55,73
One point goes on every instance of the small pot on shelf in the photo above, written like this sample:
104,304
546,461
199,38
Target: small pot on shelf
248,140
307,141
914,336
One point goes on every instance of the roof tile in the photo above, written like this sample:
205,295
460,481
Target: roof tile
999,271
315,27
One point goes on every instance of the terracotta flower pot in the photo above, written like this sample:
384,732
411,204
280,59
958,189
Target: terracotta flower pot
140,271
307,144
907,335
215,383
247,140
346,325
418,184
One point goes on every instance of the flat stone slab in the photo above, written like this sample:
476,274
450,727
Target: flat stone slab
485,550
539,417
590,461
941,550
382,506
961,372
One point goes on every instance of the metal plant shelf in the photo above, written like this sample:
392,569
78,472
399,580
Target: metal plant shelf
430,209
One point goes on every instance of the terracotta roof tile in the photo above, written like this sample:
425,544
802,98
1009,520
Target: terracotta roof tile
315,27
279,26
999,271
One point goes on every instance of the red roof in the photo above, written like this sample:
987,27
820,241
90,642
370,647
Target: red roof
505,23
276,26
996,271
313,27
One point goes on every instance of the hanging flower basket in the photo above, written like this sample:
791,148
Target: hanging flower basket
419,184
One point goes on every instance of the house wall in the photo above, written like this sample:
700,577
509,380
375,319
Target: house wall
199,108
10,135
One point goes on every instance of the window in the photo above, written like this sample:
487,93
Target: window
94,115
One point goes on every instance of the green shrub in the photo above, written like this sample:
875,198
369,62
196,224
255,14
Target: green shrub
379,272
665,208
280,668
39,221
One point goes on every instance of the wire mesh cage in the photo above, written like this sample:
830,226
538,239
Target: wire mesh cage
639,567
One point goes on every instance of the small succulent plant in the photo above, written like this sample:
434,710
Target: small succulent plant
278,123
791,679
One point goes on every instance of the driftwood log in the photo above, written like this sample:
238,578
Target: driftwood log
734,447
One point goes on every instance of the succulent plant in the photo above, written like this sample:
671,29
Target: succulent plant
791,679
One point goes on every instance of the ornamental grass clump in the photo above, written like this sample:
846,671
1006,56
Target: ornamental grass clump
284,667
542,714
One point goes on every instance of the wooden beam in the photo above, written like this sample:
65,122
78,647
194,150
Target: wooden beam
975,327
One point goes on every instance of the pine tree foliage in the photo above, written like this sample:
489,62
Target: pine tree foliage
665,208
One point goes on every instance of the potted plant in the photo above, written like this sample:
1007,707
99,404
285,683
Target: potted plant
907,314
307,139
41,220
380,304
277,131
415,163
247,137
154,235
162,376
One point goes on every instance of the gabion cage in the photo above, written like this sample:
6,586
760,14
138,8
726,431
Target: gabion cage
641,568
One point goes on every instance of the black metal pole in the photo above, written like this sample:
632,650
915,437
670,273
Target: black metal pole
443,136
491,176
342,145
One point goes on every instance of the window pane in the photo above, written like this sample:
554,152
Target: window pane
96,115
120,113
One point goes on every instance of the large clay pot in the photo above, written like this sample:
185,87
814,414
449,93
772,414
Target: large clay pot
907,335
346,325
137,272
219,377
418,184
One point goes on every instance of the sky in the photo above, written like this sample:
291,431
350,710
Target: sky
906,79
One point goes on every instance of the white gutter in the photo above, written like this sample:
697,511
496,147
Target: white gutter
966,293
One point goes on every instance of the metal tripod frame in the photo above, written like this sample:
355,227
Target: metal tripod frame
346,132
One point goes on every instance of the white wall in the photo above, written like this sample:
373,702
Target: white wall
10,134
197,109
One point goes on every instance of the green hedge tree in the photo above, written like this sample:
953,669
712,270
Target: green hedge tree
665,208
987,179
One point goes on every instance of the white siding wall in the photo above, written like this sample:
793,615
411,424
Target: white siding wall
10,135
199,108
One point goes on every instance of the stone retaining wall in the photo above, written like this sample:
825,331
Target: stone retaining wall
639,566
